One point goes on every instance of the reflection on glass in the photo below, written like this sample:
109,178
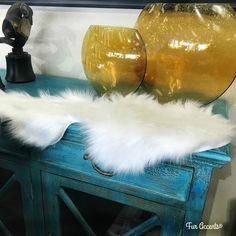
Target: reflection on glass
114,59
191,50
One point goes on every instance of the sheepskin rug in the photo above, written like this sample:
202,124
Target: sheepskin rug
124,133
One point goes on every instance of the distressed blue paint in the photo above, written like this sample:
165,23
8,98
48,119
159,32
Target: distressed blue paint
7,185
176,193
162,183
50,84
10,146
22,176
79,217
144,227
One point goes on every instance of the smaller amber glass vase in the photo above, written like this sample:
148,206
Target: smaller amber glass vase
114,59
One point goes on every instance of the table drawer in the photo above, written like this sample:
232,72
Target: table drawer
163,183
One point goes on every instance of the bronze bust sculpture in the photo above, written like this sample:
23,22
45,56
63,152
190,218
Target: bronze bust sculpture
16,29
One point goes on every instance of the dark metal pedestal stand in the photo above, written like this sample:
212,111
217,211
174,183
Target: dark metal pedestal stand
19,67
2,86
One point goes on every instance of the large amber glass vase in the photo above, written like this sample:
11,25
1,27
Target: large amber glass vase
114,59
191,50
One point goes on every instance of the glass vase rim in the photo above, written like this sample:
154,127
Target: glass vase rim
163,5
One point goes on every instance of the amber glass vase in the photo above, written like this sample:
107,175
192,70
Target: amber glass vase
191,50
114,59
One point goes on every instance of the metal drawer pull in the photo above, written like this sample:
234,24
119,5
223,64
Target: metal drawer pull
97,168
86,157
102,172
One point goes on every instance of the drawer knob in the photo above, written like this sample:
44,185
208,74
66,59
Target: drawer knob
86,156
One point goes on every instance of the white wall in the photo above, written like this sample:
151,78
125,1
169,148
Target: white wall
57,35
55,45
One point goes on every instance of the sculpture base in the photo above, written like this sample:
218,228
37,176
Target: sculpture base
2,86
19,68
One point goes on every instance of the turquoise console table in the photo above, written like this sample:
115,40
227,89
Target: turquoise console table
42,183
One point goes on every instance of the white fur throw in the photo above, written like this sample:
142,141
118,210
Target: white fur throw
124,133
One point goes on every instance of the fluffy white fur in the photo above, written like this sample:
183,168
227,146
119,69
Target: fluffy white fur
124,133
